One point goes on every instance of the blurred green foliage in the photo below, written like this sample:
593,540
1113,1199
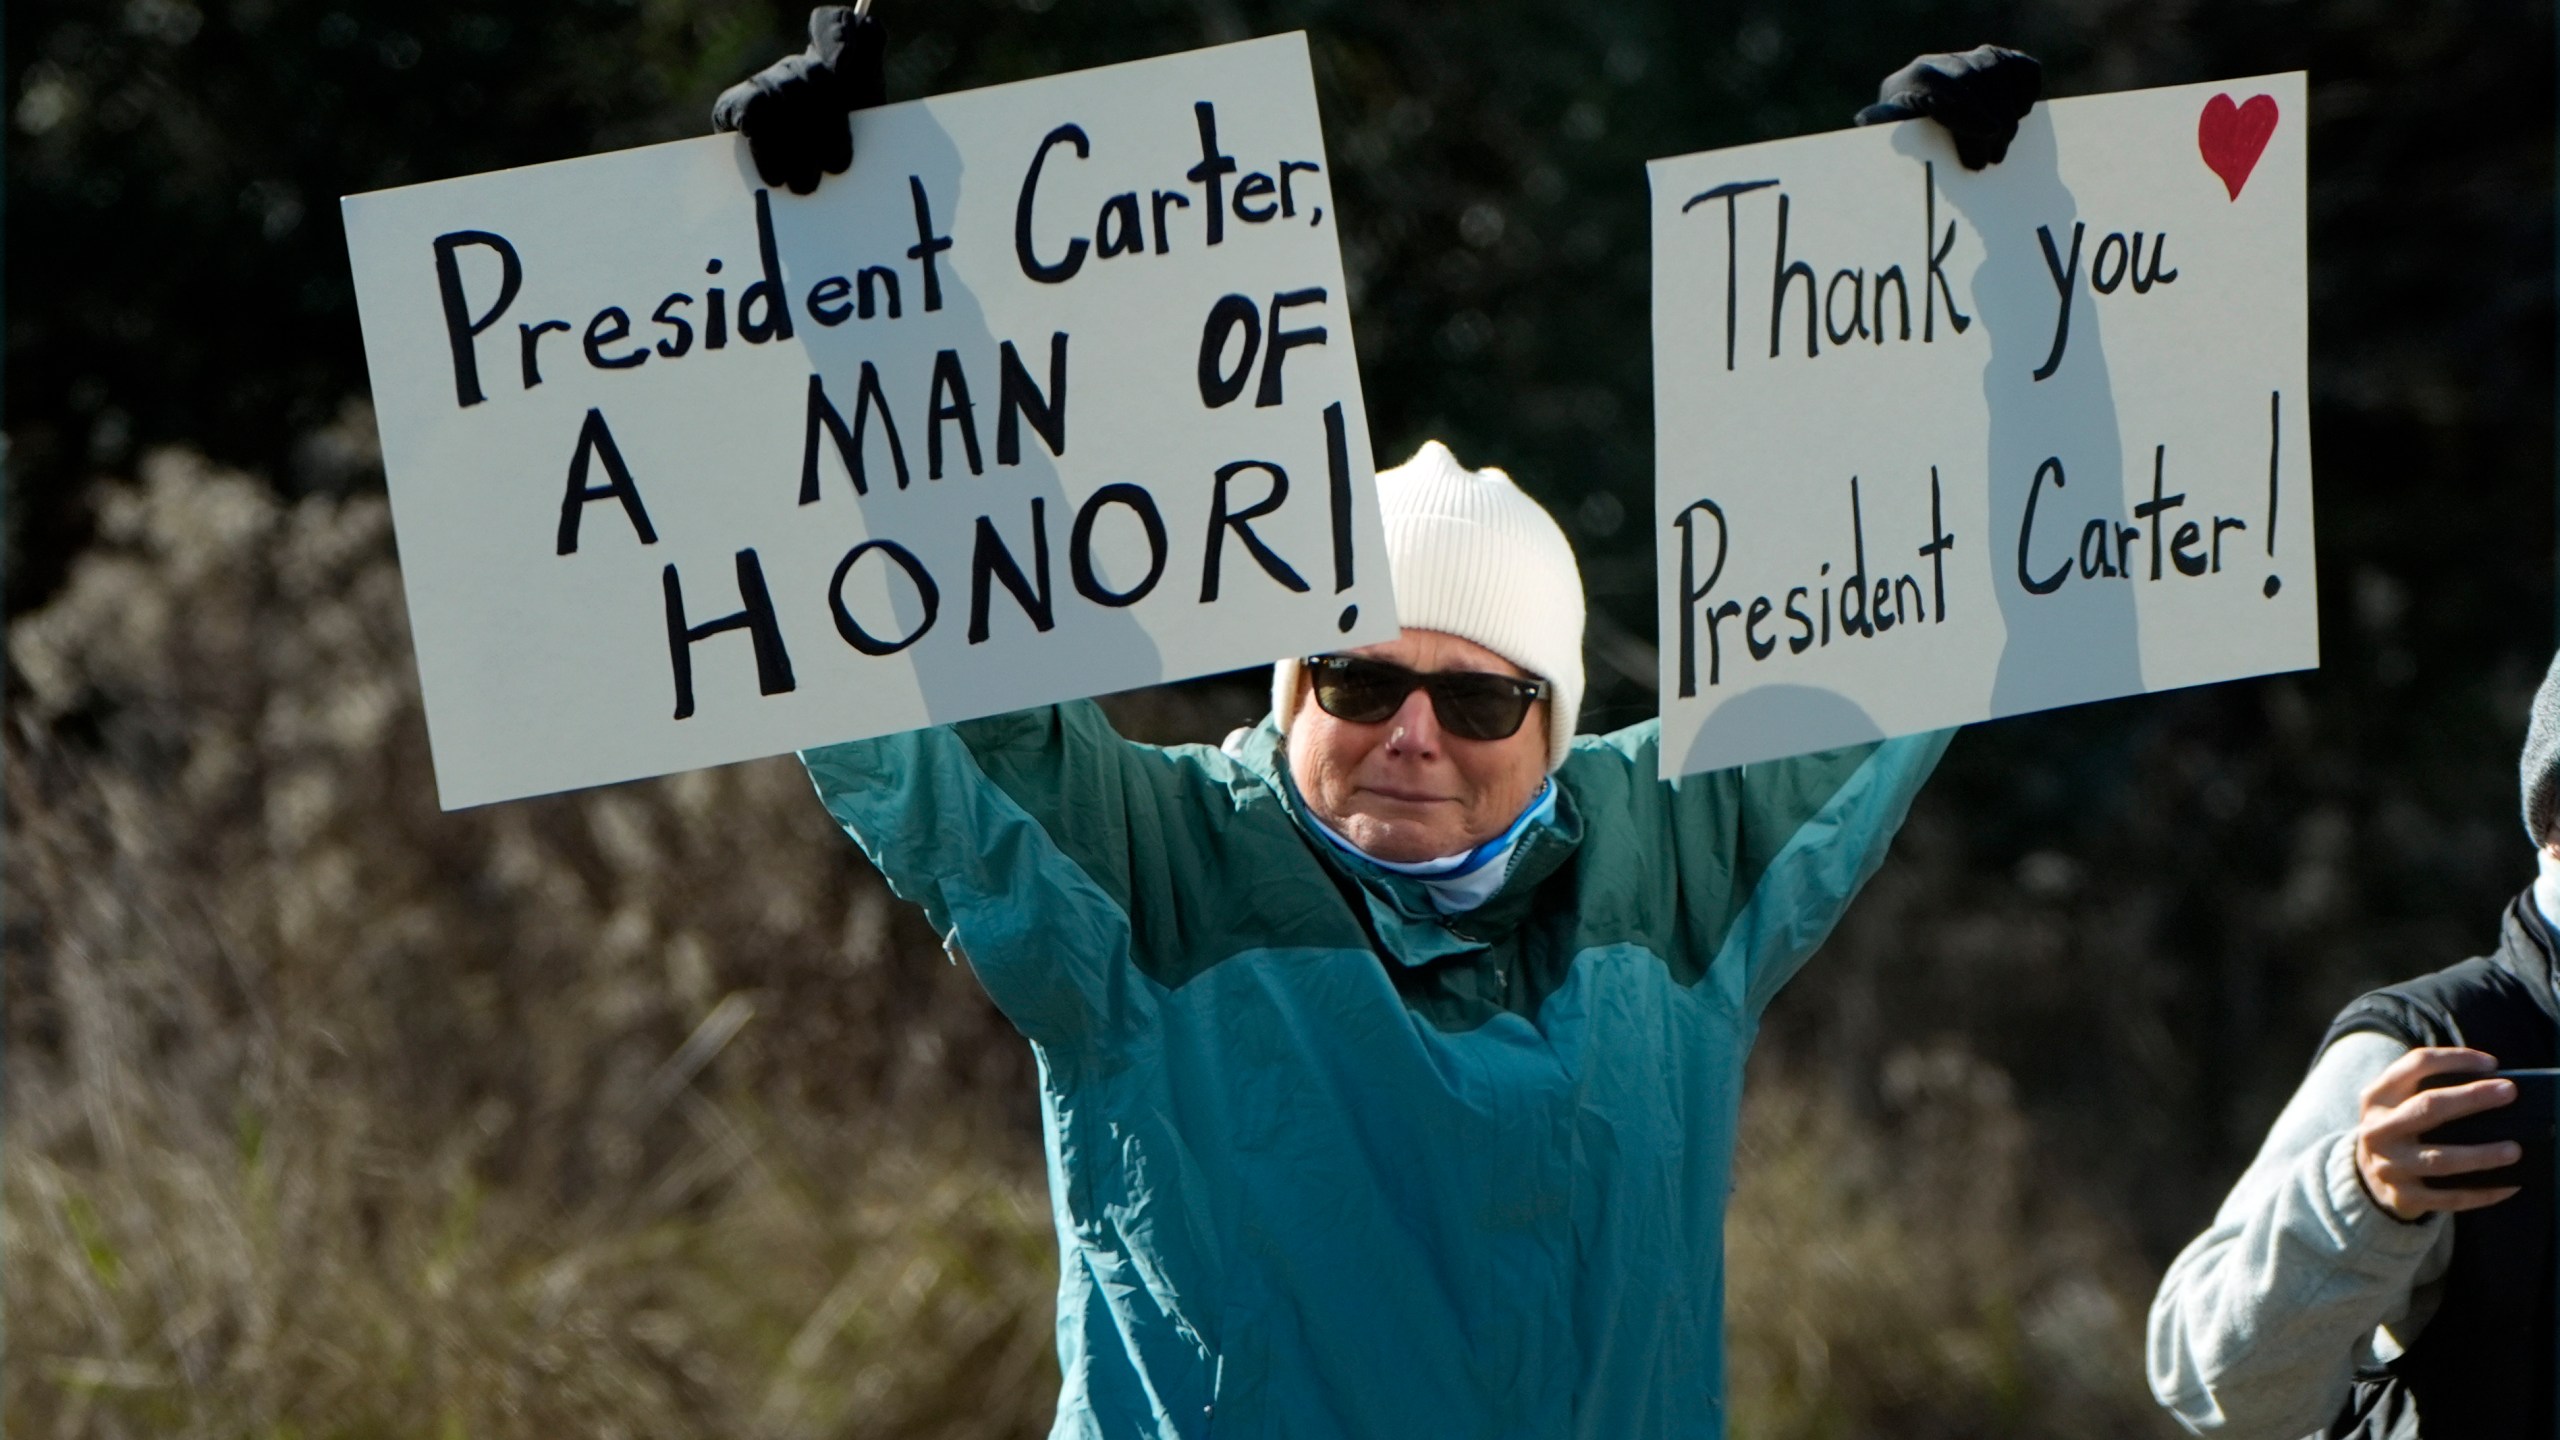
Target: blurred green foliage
229,891
177,276
180,278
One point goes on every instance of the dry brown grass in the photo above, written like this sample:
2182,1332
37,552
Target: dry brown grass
1903,1267
647,1111
639,1112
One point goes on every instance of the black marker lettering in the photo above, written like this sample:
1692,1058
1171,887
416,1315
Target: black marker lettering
1941,540
2158,505
950,401
928,595
1253,187
1212,171
1018,399
2027,526
1727,193
773,665
1080,545
774,321
2189,535
992,561
1934,284
1751,640
1692,590
823,415
1855,587
1901,300
1064,270
886,279
1117,230
2142,283
1798,644
2102,279
1857,307
1289,202
2064,280
2093,551
1784,271
1284,340
1160,199
826,302
1219,386
531,340
2220,524
1222,518
595,442
928,245
611,327
459,328
683,340
1337,465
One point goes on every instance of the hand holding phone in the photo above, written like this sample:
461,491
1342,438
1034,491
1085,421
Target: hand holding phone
2525,1121
2398,1154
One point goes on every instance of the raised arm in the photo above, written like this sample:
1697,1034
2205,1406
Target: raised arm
1751,866
1810,832
1077,872
999,828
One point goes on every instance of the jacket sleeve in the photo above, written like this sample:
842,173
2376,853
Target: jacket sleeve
1026,838
1811,831
2260,1321
1741,872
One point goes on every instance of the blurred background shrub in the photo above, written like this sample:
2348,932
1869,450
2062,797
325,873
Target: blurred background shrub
647,1111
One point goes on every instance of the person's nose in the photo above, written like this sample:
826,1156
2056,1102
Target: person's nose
1414,730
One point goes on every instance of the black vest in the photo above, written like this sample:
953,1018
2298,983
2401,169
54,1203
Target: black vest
2483,1367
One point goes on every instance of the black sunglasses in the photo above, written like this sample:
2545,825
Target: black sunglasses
1470,704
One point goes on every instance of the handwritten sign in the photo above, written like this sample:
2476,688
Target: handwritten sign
1052,395
1938,446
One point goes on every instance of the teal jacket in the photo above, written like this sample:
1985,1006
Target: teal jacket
1325,1162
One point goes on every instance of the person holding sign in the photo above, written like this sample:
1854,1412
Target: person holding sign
2371,1275
1391,1055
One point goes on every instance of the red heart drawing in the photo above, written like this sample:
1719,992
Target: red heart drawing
2232,137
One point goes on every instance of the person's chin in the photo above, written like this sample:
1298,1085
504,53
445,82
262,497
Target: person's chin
1404,839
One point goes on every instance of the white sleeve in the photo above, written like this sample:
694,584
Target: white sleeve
2260,1320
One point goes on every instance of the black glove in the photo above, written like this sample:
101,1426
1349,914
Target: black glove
793,110
1979,95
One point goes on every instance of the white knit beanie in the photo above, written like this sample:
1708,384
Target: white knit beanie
1471,555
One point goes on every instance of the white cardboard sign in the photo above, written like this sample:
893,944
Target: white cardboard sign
1937,446
1052,395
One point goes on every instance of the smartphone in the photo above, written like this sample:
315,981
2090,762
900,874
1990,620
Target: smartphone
2527,1120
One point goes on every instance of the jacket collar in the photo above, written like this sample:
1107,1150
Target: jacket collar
1427,934
2528,950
